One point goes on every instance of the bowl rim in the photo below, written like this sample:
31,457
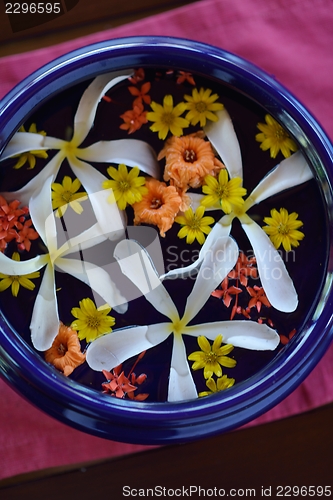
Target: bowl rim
158,423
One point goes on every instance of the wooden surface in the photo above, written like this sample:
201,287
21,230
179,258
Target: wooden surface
297,451
86,17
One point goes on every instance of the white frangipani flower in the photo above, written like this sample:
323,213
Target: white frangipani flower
44,324
131,152
112,349
275,279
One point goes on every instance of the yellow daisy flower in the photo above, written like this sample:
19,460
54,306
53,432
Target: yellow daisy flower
201,106
273,137
16,281
221,384
66,194
127,186
167,118
91,322
282,229
30,156
223,192
195,226
211,358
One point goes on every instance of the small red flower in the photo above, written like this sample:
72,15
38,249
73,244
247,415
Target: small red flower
25,234
244,269
138,76
258,297
226,292
133,119
141,94
185,77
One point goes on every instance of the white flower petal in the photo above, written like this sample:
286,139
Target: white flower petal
22,142
275,280
108,215
42,216
136,264
111,350
85,114
224,139
97,278
26,192
246,334
44,324
289,173
20,268
218,231
131,152
181,384
195,202
216,264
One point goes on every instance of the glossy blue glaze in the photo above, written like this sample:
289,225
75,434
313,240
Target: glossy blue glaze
161,423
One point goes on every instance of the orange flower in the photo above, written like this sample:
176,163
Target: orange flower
258,297
188,160
141,94
65,353
185,77
25,234
133,118
159,207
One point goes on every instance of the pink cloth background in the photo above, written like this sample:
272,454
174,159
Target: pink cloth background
291,39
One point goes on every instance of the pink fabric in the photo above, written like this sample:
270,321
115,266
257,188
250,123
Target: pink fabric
291,39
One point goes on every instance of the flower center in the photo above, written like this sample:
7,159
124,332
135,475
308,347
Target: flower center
283,228
210,357
93,322
156,203
66,196
281,134
222,192
62,349
190,155
124,186
167,119
201,107
195,223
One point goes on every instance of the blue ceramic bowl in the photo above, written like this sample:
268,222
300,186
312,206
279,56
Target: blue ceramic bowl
155,423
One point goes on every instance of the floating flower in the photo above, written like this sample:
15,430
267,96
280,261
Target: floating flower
25,234
120,345
65,194
212,357
167,118
291,172
244,269
91,322
133,118
127,186
65,353
221,384
282,228
226,292
194,225
139,76
45,319
11,219
184,76
188,159
30,156
16,281
141,94
158,207
275,138
202,106
117,385
258,297
131,152
227,194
